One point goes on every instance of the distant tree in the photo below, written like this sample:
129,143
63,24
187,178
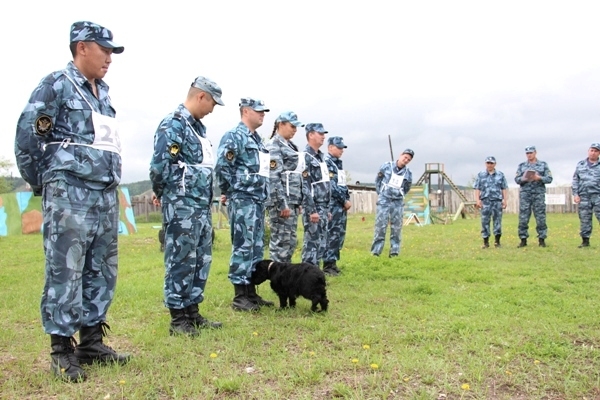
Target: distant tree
5,185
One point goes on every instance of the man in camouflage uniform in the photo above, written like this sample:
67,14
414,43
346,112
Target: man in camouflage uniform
392,183
285,187
181,174
67,148
533,176
316,194
586,192
242,171
339,205
490,194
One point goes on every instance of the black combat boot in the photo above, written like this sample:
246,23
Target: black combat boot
486,243
523,243
180,323
328,268
64,364
91,349
256,299
585,242
336,269
497,241
241,301
542,242
198,320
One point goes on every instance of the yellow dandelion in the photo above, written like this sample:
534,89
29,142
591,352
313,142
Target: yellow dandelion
62,370
312,353
374,366
366,346
508,372
213,355
465,386
255,333
406,379
355,360
536,362
121,382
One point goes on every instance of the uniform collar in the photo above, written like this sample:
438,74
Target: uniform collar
189,117
81,80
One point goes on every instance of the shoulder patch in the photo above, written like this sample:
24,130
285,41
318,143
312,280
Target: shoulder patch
273,164
43,125
305,174
229,155
174,150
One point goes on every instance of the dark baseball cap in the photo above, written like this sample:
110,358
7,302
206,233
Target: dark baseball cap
86,31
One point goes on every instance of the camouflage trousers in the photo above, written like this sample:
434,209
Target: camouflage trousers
389,212
336,233
588,205
535,202
491,210
188,253
315,235
247,227
283,240
80,232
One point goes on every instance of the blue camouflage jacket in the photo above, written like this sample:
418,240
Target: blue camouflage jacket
586,179
237,165
386,192
177,171
490,185
339,194
56,112
314,189
535,186
285,185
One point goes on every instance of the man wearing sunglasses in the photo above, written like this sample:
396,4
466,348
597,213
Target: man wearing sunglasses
242,171
490,194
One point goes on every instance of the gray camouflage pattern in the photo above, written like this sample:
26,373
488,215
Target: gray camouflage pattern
316,196
586,185
56,101
491,210
490,187
247,229
80,242
532,198
390,207
336,226
283,240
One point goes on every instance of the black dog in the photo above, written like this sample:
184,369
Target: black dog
292,280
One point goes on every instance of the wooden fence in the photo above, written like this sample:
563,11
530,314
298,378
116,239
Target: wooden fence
365,202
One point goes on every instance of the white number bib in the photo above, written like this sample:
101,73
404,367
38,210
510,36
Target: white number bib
208,157
106,134
264,159
301,163
341,177
324,172
396,181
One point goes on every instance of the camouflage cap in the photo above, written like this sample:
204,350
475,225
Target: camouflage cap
337,141
85,31
208,86
529,149
595,146
315,127
256,105
409,152
289,116
491,159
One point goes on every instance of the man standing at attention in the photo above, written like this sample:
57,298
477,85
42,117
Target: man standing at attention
67,144
490,194
586,192
316,194
533,176
392,183
242,171
338,207
181,174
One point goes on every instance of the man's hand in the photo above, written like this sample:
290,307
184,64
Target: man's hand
347,205
285,213
155,200
576,199
478,203
503,204
223,199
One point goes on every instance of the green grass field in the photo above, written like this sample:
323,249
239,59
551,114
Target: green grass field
445,320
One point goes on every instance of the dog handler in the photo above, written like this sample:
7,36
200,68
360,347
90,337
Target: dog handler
68,149
392,183
285,187
181,174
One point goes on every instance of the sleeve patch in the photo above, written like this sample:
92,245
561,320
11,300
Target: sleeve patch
43,125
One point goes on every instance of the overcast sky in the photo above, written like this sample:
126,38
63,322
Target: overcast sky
455,81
